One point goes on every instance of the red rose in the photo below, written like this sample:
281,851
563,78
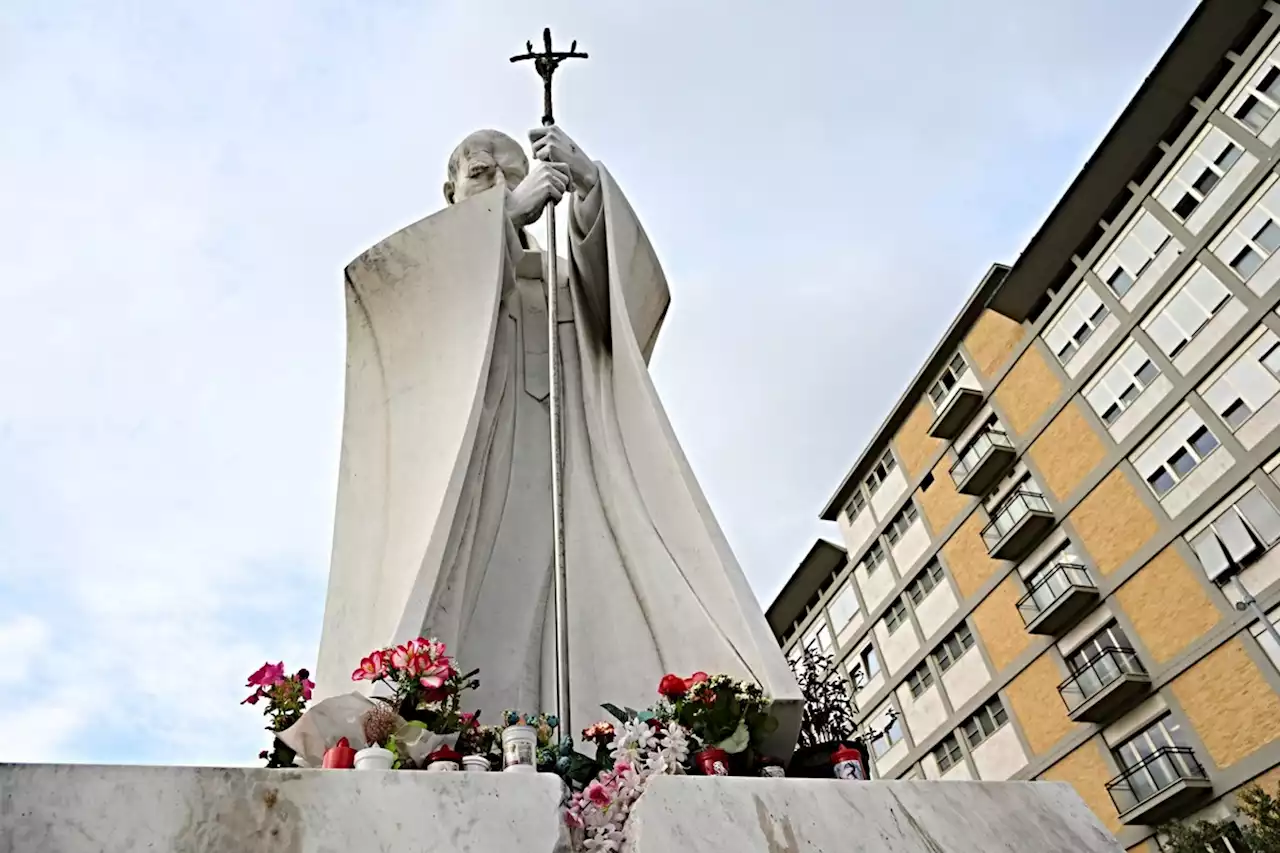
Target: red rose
672,686
696,678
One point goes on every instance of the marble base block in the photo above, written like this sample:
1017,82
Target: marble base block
91,809
100,809
815,816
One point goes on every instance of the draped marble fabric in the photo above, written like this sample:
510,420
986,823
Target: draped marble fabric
444,505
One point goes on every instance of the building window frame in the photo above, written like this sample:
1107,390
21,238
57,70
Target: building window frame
948,753
1077,322
929,579
1132,372
901,523
874,558
1248,525
1187,310
880,472
896,616
941,389
953,647
985,722
919,680
1190,453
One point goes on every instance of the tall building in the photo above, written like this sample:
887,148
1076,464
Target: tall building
1048,536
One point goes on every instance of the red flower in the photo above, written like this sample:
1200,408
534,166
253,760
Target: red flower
268,675
253,700
696,678
672,686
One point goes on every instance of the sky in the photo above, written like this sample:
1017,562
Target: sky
181,185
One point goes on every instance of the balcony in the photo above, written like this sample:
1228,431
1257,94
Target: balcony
1165,785
1109,684
983,463
955,410
1017,525
1058,600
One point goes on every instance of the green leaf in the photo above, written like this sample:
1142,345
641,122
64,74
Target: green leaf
417,724
632,713
737,741
615,712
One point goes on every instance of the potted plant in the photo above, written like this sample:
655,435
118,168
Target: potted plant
727,718
287,697
827,723
380,724
477,744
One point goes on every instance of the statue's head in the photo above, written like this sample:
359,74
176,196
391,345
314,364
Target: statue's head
482,160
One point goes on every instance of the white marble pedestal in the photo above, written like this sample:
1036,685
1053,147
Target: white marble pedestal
91,809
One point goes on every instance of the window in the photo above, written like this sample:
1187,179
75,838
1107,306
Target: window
896,615
1076,324
1257,248
873,559
818,637
843,606
1271,360
1086,659
1184,459
1199,172
984,722
855,504
920,680
1134,253
948,753
951,374
901,523
1148,770
926,582
1260,102
881,472
1248,382
870,665
891,735
1246,530
1187,311
1120,385
953,647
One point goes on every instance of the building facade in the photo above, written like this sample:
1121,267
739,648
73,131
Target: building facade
1047,542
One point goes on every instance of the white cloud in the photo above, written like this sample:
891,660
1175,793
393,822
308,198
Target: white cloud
187,181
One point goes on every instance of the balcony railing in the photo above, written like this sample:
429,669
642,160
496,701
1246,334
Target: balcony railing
1060,597
1160,786
983,462
1104,686
1017,525
981,446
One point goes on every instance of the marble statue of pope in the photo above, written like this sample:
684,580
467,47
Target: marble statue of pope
443,524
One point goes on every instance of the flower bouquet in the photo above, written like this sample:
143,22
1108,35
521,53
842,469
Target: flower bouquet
639,750
425,684
421,686
726,717
287,698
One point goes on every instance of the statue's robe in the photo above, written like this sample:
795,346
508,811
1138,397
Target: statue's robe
443,522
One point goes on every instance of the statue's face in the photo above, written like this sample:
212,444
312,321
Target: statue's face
484,159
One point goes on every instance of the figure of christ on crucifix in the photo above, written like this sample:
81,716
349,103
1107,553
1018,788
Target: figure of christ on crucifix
444,520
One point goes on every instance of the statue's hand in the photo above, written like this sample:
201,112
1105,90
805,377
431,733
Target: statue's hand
553,145
546,182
